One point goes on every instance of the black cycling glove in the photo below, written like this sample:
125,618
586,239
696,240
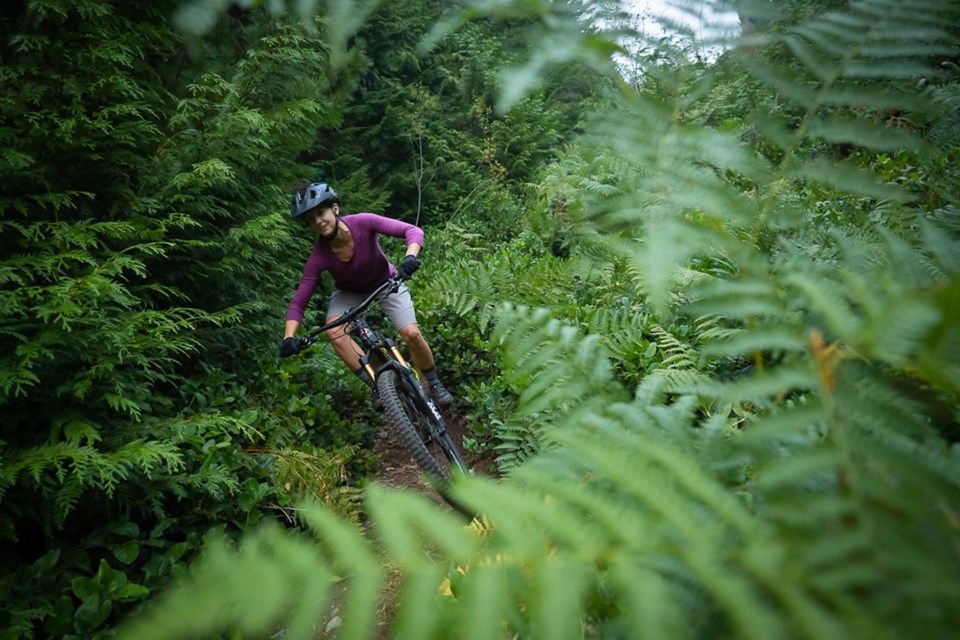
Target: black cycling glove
289,347
408,265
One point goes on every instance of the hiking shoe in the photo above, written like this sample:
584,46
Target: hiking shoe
375,398
440,395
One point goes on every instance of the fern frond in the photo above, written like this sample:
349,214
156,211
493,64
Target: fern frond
469,289
517,441
553,364
762,389
679,354
319,477
413,534
288,586
351,556
679,380
945,129
555,368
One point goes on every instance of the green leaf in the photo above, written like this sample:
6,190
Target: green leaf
127,552
85,588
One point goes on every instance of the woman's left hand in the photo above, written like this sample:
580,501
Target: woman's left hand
407,266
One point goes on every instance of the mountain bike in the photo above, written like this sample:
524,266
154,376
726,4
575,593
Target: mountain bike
408,408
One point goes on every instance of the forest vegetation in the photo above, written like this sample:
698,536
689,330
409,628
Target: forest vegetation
700,314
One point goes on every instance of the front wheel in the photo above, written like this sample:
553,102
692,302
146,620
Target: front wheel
423,434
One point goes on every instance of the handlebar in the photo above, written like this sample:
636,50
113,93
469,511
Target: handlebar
390,285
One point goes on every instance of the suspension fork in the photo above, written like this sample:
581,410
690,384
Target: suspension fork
376,344
395,352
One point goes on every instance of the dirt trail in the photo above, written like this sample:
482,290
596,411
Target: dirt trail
397,468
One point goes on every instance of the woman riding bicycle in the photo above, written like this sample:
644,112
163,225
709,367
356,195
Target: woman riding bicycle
347,247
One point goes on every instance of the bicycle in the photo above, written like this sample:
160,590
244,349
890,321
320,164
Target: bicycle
408,408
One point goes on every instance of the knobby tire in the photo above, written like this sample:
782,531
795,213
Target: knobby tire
404,413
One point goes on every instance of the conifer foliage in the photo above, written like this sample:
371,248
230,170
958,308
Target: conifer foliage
138,219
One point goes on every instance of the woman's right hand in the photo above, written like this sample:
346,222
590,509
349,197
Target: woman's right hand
289,347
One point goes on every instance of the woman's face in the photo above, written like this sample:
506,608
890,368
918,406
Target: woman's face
323,220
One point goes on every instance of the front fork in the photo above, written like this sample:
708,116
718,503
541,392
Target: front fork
408,376
376,346
387,350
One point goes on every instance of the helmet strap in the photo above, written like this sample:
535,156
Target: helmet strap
336,230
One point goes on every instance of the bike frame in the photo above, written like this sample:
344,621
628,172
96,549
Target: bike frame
378,346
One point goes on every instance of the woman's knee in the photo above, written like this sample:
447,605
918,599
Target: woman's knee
411,333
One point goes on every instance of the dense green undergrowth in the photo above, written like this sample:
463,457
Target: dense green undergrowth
705,323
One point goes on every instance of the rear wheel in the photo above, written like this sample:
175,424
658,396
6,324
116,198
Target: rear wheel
413,421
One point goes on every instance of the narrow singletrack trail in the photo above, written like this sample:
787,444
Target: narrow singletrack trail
397,468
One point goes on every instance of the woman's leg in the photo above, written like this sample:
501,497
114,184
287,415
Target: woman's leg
344,346
420,351
422,358
399,308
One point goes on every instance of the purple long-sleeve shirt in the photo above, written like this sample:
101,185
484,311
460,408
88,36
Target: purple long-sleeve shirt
362,273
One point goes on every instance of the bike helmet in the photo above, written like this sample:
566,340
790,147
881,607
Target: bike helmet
312,196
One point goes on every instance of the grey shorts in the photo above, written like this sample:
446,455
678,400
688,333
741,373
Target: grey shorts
397,306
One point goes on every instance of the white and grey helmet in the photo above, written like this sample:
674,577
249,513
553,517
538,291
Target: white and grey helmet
312,196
